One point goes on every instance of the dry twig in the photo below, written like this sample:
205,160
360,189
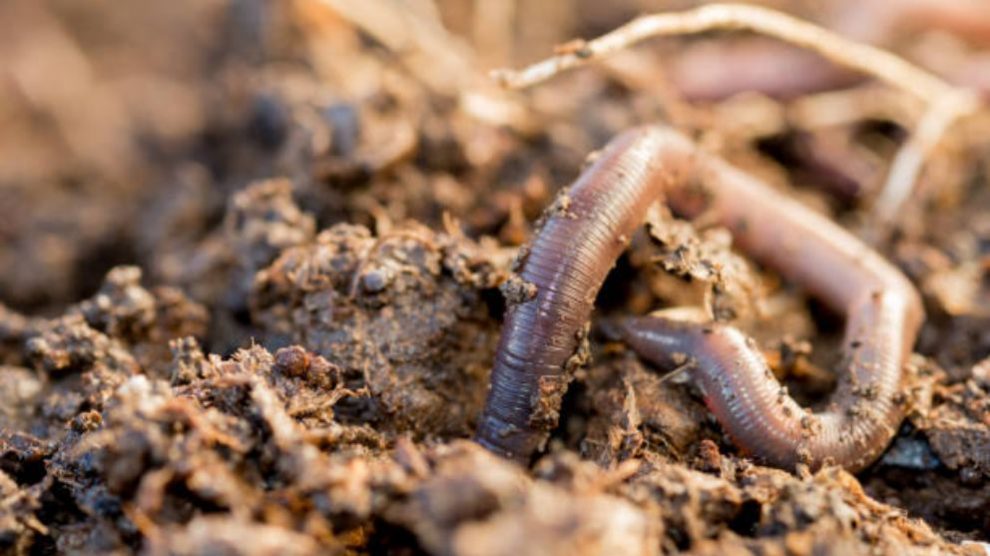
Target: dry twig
414,33
945,103
910,159
867,59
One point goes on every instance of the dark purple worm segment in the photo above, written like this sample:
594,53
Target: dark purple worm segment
583,234
580,242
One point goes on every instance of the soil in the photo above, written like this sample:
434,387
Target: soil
257,253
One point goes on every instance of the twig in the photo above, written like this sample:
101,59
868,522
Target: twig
443,62
867,59
414,33
910,159
946,104
846,107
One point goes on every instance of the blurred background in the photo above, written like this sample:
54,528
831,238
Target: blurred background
126,128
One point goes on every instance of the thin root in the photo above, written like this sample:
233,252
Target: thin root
861,57
910,159
946,104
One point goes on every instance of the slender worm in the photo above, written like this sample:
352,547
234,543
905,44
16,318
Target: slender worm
588,228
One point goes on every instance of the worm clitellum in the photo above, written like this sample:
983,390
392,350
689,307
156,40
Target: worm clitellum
587,229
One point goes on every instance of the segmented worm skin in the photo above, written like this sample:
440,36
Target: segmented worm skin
582,236
576,247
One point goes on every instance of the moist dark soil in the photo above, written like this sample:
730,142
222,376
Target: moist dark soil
255,256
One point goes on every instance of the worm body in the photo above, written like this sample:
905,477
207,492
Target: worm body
560,274
576,247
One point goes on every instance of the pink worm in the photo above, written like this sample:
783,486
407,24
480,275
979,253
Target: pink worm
578,244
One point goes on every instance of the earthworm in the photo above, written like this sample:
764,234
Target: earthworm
585,231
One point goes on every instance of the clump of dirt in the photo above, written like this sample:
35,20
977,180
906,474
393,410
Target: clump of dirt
402,314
